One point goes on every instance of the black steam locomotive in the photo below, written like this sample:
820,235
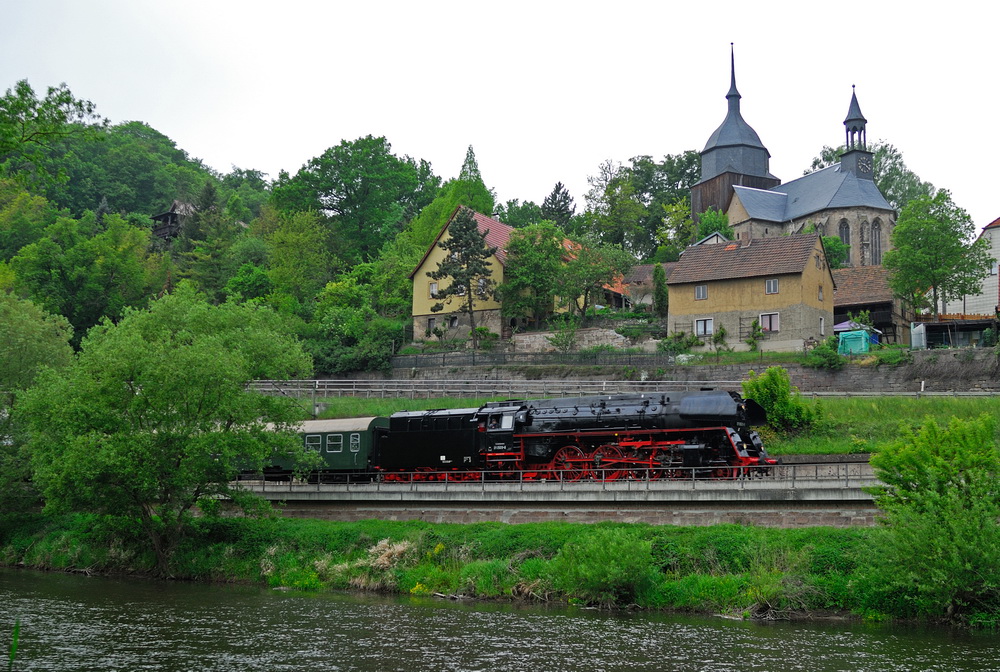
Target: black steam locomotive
646,436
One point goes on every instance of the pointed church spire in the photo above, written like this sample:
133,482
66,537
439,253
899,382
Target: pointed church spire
855,125
733,93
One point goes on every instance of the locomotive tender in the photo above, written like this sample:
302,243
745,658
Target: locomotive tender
703,434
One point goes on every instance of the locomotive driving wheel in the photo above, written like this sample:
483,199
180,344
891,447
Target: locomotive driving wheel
608,463
569,464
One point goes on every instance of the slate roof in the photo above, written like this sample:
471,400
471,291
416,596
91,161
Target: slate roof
861,284
746,259
824,189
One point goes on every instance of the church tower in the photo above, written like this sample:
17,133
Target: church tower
733,155
856,158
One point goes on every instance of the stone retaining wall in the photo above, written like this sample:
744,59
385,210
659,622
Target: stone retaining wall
766,514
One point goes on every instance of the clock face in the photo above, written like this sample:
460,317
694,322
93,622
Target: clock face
865,164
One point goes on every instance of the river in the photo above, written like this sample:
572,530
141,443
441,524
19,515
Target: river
73,622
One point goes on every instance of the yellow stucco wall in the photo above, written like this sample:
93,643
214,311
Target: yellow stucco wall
422,300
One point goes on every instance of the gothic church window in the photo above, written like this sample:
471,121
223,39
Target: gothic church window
845,237
876,242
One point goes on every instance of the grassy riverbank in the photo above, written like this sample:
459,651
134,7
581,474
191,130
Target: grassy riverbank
742,571
846,425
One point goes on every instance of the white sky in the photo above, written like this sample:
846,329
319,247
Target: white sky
544,91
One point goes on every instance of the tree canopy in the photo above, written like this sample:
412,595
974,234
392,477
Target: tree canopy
934,252
535,258
29,124
155,417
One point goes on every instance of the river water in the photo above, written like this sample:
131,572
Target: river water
72,622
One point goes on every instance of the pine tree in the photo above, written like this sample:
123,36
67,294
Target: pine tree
467,265
558,206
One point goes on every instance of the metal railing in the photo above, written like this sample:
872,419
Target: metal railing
830,476
482,388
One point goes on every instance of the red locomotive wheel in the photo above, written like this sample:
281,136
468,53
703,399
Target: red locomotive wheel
608,463
569,464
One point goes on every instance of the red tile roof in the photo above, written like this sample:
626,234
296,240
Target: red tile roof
748,259
992,225
861,284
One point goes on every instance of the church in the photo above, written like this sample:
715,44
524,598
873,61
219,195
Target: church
840,200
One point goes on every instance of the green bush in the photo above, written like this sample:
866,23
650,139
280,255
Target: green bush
678,343
606,567
824,357
894,355
784,406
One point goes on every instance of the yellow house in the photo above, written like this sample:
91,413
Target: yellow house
783,283
425,289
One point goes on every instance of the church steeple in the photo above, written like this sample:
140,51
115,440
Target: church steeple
733,154
855,125
734,147
856,158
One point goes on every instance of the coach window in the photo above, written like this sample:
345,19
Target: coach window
769,322
771,286
703,327
355,442
313,442
700,292
334,443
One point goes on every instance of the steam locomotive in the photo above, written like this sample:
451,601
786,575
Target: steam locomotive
703,434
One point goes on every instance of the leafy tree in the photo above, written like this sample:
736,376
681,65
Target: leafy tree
252,189
23,218
661,303
614,213
155,417
85,274
467,189
898,184
361,187
663,184
931,252
29,124
534,261
591,267
134,167
714,221
250,282
30,339
836,251
298,261
517,214
467,266
559,207
676,232
941,533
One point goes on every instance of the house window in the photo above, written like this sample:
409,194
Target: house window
461,290
771,286
700,292
993,268
432,290
453,321
481,286
703,327
822,326
431,322
821,292
769,322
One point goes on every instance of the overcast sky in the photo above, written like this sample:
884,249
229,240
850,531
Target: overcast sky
544,91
